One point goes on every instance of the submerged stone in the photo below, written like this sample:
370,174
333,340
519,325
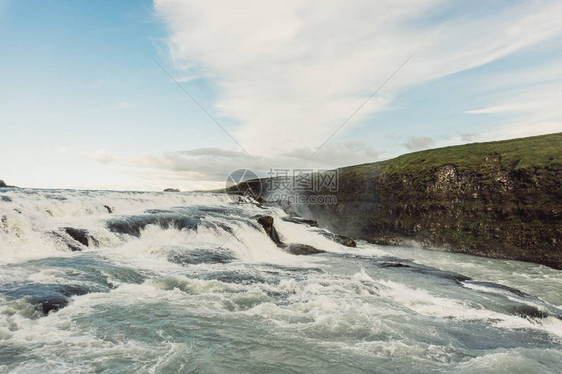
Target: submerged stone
303,249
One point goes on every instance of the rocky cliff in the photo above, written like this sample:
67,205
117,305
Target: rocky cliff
498,199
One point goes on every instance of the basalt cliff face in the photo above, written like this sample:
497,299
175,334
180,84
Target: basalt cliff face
498,199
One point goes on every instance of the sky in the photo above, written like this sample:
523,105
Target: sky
96,95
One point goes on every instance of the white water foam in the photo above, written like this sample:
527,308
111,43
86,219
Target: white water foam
328,304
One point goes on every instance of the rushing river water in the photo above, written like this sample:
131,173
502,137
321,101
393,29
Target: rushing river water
190,283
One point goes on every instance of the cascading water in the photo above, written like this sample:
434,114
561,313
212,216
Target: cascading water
101,281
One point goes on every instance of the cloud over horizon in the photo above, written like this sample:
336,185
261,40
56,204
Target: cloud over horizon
215,164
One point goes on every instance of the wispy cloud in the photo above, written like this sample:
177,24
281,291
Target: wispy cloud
103,156
292,71
214,164
530,99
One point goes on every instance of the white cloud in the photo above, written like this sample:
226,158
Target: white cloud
185,79
291,72
103,156
214,164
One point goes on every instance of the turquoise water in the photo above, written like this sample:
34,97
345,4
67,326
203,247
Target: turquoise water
190,283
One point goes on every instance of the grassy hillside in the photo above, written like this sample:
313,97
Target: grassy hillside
536,151
498,199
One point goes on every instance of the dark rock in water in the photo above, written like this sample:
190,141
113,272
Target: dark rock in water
66,239
73,248
346,241
52,304
5,199
109,209
80,235
266,221
127,226
428,270
341,239
171,190
166,219
303,249
300,220
393,265
528,311
267,224
55,297
46,297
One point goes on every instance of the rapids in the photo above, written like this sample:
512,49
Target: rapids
189,282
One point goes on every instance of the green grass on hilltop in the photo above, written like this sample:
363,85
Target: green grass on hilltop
536,151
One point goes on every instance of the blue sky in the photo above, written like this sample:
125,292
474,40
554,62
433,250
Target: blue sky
83,105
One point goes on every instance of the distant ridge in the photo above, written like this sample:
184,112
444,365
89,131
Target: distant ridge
4,185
